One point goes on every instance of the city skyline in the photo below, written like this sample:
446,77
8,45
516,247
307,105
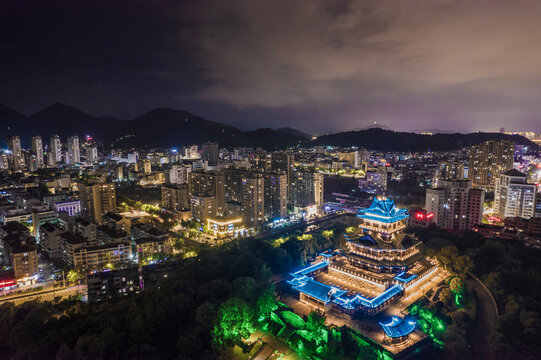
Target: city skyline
267,180
316,67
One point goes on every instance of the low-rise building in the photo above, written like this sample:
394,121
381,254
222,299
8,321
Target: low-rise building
420,218
70,243
50,241
107,284
19,250
95,257
148,246
117,222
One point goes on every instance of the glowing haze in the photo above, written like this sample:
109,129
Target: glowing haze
317,66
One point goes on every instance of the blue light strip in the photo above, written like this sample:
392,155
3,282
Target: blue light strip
311,268
350,303
398,327
400,277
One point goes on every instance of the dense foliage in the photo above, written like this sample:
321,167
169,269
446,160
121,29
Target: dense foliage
216,299
175,320
512,273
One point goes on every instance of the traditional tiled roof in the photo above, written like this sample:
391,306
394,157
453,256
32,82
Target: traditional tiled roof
398,327
405,277
320,291
383,210
359,300
376,241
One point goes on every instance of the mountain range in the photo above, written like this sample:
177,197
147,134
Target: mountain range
164,127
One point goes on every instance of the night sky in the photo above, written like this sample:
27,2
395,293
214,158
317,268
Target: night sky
318,66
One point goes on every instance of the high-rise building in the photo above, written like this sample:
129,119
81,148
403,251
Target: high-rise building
175,197
455,204
146,166
91,154
15,158
283,161
476,203
203,207
178,174
4,163
307,190
513,196
97,199
253,200
74,150
353,158
37,151
488,160
233,184
209,183
55,151
450,170
120,172
210,153
275,195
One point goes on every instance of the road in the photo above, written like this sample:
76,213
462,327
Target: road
298,226
486,316
45,295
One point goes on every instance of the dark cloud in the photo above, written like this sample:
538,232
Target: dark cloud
315,65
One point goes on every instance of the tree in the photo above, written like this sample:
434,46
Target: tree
447,255
463,265
74,276
178,243
456,285
446,297
234,322
315,324
327,234
266,303
350,230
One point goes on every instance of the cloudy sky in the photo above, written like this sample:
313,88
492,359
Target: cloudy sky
318,66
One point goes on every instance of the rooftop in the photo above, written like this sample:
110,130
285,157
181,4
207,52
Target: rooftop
383,210
113,216
376,241
398,327
514,172
73,238
14,227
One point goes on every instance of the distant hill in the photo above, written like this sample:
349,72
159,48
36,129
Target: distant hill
385,140
291,131
10,121
164,127
160,127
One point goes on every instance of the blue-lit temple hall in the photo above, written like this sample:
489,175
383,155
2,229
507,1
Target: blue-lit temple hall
380,264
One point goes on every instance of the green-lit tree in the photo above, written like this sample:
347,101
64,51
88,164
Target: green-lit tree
456,285
234,322
266,303
315,323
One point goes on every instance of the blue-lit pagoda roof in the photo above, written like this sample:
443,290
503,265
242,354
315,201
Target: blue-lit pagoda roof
398,327
383,210
354,302
317,290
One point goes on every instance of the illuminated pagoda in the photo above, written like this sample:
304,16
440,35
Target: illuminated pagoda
379,264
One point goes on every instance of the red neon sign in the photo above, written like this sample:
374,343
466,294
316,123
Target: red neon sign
6,283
